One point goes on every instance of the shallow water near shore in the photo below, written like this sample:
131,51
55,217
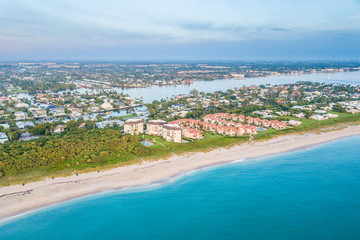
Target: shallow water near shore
308,194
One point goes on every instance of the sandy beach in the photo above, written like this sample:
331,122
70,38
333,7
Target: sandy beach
18,199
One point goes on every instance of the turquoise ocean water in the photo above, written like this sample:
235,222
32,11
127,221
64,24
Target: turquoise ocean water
308,194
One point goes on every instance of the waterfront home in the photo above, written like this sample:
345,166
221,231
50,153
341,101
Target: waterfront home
177,107
59,129
3,137
106,106
134,126
142,112
120,104
172,133
155,127
21,115
130,100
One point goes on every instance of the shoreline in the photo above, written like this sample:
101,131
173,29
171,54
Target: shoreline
18,200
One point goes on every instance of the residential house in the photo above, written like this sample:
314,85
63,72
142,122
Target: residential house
39,112
23,125
57,111
107,106
257,121
59,129
249,120
294,123
5,125
275,124
21,115
27,136
299,115
109,123
3,137
265,123
192,133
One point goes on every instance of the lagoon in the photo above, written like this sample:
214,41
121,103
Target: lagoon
152,93
158,92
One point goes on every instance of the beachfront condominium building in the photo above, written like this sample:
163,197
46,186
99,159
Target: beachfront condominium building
134,126
155,127
172,133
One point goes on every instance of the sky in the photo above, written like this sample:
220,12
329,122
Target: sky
179,30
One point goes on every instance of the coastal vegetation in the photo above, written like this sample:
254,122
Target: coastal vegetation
82,149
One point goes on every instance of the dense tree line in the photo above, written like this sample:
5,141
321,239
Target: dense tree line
36,86
79,149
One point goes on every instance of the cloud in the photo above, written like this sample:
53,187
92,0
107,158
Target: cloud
79,24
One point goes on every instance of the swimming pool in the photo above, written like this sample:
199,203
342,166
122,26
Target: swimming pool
146,143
